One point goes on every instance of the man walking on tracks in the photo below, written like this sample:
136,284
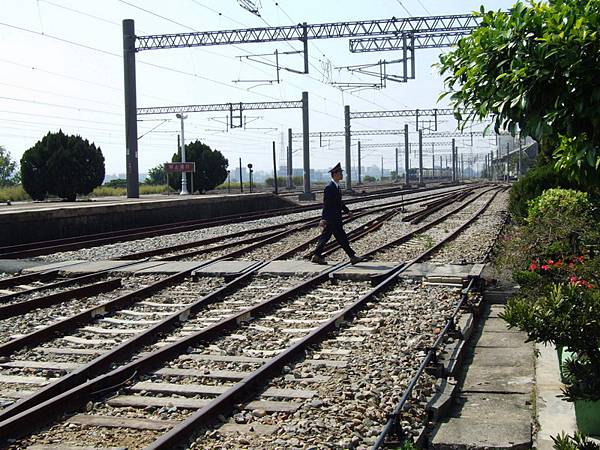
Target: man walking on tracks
331,219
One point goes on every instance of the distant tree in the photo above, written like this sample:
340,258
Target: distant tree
8,174
535,68
211,167
116,183
369,179
62,165
281,182
156,175
297,180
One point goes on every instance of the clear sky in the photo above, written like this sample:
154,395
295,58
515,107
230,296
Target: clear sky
61,66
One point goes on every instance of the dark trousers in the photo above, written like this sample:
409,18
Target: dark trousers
336,230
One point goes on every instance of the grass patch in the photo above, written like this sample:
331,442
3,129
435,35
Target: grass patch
13,194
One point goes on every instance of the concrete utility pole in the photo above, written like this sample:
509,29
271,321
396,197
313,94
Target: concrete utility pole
406,160
359,162
184,189
306,195
289,160
241,181
131,139
347,142
420,157
275,170
453,160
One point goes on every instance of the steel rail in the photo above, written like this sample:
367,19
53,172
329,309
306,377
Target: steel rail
392,423
418,216
19,308
125,349
58,284
17,419
20,279
422,228
247,387
394,204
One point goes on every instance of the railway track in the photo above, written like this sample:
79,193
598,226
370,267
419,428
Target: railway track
266,327
73,243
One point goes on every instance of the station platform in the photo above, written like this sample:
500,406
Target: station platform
38,221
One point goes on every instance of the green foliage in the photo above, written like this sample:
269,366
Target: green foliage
116,183
281,181
559,224
576,442
369,179
61,165
567,316
107,191
156,176
535,69
211,167
13,194
297,181
8,174
531,185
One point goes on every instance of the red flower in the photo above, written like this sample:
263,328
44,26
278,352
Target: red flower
533,266
544,267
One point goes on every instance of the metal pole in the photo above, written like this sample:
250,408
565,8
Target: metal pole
275,169
462,167
347,135
229,181
507,158
241,181
131,143
359,162
382,168
305,42
397,173
406,163
453,160
289,160
432,160
306,195
420,156
519,162
441,168
184,189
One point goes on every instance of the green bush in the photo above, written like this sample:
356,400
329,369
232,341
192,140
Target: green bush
575,442
531,185
61,165
369,179
116,183
281,182
13,194
567,316
559,224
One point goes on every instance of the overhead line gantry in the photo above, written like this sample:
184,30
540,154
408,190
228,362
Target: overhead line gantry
304,32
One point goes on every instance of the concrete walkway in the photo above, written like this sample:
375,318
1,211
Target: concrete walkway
493,404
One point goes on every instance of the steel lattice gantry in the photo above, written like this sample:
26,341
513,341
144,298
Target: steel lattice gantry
235,112
302,32
416,41
418,27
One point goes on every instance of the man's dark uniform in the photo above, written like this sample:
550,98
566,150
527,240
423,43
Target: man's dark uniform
333,206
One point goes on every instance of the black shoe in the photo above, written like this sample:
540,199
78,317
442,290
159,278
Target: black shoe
357,259
318,259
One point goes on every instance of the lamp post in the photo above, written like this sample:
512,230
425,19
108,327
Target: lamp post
184,190
229,181
250,175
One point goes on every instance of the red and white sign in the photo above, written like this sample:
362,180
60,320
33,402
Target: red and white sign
180,167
